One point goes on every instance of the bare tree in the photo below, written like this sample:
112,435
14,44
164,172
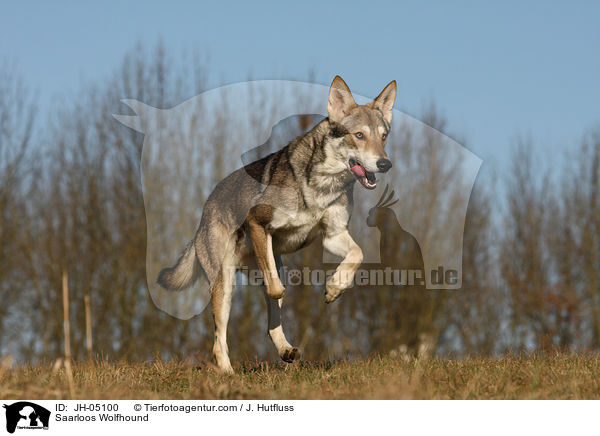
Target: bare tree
17,117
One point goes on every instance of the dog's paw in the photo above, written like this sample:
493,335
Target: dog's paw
290,355
226,369
332,292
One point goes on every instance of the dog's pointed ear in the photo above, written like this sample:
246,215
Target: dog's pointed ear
385,101
340,100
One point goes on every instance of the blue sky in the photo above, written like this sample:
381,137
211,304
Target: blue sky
497,70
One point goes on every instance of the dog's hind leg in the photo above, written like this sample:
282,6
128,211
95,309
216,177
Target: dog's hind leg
287,352
221,293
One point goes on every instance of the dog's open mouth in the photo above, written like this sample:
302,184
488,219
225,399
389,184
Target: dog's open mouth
366,178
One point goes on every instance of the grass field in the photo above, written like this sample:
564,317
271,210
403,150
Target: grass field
557,376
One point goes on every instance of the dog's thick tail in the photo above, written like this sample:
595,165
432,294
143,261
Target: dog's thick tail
184,273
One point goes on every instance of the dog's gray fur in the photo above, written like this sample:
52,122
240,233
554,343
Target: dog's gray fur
281,203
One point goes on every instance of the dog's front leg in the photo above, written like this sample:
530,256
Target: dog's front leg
342,244
263,249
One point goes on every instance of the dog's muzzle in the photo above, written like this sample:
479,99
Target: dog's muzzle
384,165
366,178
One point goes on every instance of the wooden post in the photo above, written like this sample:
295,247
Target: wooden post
66,319
88,326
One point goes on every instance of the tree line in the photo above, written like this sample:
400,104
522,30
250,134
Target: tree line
71,200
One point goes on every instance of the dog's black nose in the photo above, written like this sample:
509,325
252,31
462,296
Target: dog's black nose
384,165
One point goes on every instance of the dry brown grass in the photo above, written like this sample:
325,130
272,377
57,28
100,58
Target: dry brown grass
558,376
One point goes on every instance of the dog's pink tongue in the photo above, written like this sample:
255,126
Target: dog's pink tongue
358,170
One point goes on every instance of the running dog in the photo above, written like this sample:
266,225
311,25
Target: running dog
281,203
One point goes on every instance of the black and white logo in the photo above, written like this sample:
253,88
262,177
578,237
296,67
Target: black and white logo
26,415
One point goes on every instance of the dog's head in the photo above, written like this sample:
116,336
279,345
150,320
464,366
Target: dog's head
363,129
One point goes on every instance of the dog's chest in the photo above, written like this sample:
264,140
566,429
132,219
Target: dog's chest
292,230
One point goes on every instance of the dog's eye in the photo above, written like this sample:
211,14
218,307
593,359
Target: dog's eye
359,135
384,136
